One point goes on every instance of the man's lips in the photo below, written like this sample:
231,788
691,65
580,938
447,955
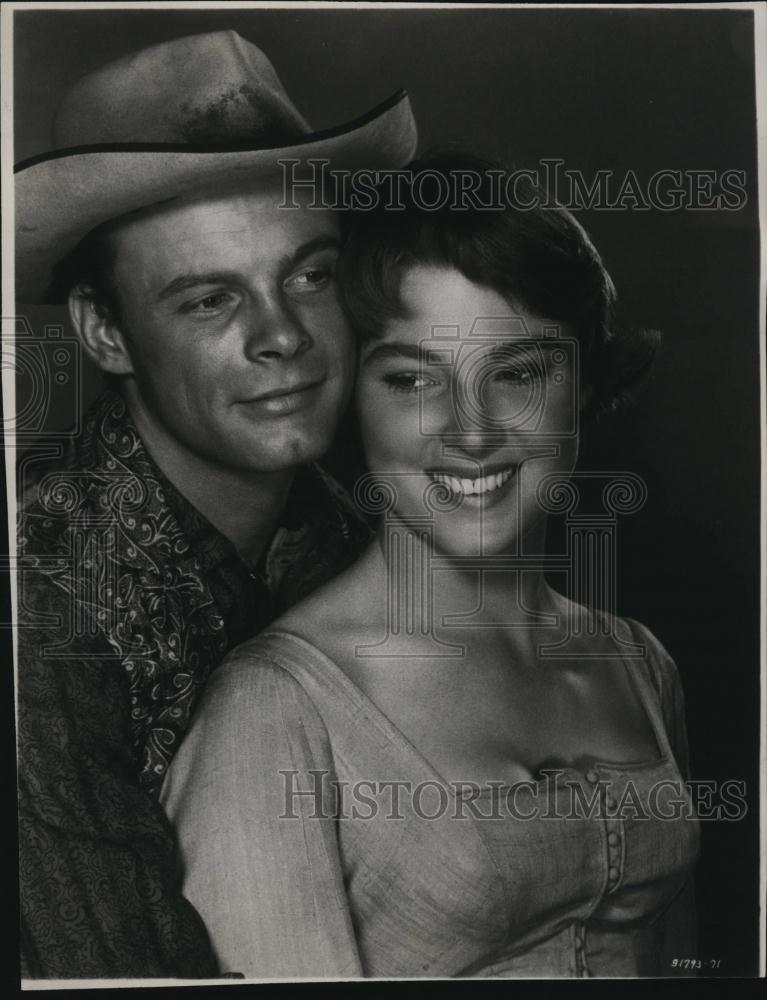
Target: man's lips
285,399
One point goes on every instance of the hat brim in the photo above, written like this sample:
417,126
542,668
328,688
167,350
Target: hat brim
61,197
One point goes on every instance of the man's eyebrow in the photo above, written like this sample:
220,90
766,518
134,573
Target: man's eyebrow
319,243
190,280
183,282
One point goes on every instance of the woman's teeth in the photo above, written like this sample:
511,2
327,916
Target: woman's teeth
474,487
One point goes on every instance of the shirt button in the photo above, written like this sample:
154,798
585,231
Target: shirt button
613,873
612,838
578,942
611,803
592,776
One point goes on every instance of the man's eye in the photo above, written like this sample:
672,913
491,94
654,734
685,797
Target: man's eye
312,279
211,303
408,382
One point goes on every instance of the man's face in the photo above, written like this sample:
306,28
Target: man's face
239,349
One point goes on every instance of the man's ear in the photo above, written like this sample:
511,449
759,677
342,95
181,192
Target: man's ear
102,339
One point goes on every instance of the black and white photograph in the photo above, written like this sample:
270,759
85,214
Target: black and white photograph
383,399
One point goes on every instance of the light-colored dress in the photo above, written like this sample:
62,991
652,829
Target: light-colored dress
581,873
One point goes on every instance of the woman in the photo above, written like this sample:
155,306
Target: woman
438,765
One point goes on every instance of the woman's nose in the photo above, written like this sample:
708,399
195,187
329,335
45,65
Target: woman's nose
474,443
467,430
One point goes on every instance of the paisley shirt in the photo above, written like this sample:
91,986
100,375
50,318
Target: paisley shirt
128,598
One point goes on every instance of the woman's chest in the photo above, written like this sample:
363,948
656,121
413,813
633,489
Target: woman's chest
468,875
481,721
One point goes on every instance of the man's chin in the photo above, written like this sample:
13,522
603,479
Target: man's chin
282,456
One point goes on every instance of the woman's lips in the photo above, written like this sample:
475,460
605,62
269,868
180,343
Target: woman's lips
479,486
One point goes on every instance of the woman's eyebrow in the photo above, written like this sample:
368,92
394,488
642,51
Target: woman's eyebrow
527,346
396,349
426,354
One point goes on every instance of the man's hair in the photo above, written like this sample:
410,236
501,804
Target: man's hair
538,258
91,265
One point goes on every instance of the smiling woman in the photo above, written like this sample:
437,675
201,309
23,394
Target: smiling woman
479,424
444,662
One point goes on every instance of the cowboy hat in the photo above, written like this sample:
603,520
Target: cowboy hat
197,112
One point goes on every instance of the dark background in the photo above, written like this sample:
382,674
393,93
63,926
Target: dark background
600,89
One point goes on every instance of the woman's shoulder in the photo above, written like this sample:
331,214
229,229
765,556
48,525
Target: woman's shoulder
630,641
296,657
651,655
663,674
652,665
247,747
621,632
260,681
650,661
255,712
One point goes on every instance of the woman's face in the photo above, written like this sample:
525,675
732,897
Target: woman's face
465,407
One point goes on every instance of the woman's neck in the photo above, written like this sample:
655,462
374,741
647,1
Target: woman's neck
423,583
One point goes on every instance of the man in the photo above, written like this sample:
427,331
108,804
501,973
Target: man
187,513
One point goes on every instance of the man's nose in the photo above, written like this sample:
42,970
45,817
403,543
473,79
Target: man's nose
274,332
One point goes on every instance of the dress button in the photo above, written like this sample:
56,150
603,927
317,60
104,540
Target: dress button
613,873
611,803
592,776
578,942
613,838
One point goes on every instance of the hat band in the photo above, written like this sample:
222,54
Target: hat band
239,147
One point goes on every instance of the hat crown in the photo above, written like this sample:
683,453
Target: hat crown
214,89
200,113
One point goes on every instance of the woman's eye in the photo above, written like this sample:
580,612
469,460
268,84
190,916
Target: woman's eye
408,382
517,375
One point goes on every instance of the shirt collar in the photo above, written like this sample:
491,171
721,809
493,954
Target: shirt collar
318,514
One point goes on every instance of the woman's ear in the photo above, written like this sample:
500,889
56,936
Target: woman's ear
102,339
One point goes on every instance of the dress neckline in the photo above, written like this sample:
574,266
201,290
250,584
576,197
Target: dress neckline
639,684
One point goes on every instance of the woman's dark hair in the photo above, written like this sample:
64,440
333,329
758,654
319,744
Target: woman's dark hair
537,257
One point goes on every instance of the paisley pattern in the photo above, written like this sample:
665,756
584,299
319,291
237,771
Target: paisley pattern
128,599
